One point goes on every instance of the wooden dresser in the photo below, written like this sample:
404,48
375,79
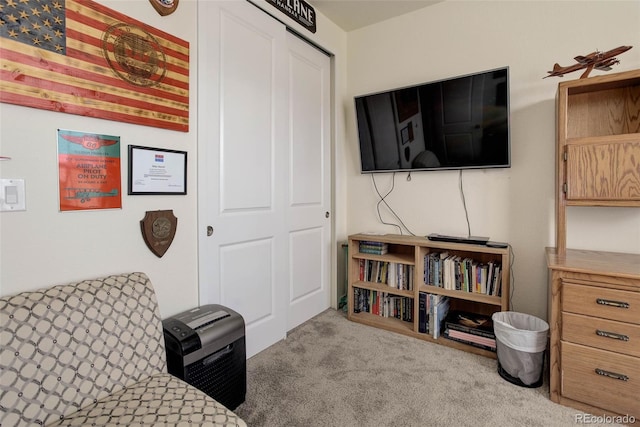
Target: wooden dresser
594,319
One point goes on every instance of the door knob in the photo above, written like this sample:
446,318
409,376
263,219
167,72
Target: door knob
327,214
209,230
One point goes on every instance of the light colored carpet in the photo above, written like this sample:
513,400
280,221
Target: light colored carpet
333,372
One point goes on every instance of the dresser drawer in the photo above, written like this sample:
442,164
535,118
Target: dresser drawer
601,302
605,334
616,387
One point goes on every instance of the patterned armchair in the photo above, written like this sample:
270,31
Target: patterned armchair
92,354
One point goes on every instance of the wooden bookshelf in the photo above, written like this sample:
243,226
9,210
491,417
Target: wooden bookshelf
411,251
598,145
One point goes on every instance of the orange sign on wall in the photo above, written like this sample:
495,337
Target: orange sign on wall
89,171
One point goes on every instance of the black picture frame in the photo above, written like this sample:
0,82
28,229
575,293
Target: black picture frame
156,171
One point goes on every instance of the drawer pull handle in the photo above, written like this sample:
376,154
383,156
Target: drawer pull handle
612,335
613,375
618,304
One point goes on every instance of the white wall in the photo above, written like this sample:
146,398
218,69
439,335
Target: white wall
42,246
515,205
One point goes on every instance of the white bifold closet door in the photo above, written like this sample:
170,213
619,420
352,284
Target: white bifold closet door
264,190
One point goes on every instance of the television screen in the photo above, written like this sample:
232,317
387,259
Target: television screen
457,123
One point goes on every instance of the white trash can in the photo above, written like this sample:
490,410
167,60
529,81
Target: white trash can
521,341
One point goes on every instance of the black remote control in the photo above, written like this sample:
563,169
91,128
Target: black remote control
497,244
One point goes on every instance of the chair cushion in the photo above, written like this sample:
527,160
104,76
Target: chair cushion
71,345
160,400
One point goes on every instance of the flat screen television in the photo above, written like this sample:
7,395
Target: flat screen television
456,123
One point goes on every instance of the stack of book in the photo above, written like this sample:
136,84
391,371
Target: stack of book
470,328
370,247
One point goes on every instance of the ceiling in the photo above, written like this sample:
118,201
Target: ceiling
353,14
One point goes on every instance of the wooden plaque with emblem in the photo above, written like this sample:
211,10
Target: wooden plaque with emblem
158,230
164,7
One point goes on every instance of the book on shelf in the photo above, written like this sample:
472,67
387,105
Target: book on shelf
438,306
423,312
470,339
373,243
394,275
371,247
470,328
474,329
496,283
382,304
470,323
392,279
476,339
450,271
432,310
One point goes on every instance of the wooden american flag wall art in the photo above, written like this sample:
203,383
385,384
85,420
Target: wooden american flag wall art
79,57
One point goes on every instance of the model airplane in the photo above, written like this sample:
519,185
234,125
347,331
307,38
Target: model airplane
598,60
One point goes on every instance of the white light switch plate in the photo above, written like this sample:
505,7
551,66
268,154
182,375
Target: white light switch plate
12,195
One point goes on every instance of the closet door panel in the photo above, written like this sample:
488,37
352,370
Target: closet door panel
242,162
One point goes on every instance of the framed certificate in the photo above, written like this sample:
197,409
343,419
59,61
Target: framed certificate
157,171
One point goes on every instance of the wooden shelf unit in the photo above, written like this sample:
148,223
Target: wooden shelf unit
598,145
411,250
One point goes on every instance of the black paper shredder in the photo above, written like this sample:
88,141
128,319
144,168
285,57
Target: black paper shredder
206,348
